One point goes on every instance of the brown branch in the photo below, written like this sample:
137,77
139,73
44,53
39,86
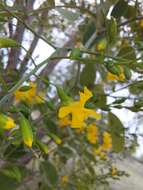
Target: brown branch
13,57
34,43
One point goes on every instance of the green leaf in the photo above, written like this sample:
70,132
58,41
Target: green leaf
127,52
7,43
113,68
50,172
63,95
88,75
14,152
42,146
117,132
136,87
12,172
50,125
127,73
7,183
119,9
70,15
131,12
119,100
99,97
75,53
88,31
50,104
111,30
25,88
65,152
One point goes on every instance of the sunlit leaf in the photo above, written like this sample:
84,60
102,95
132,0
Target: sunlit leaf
8,42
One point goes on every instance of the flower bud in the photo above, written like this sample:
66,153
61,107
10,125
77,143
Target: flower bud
43,147
26,131
6,122
56,138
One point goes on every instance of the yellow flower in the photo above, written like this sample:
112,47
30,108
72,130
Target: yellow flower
10,123
31,96
6,122
101,46
99,152
114,171
64,179
92,134
64,122
113,77
107,141
28,142
77,110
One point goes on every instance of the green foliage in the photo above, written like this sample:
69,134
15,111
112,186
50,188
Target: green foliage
120,5
127,73
7,42
88,30
92,46
88,75
128,53
75,53
111,30
117,132
12,172
49,173
7,183
113,68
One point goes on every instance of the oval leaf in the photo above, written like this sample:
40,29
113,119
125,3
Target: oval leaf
117,132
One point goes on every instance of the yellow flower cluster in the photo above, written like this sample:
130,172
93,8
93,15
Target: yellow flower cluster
31,95
92,134
106,146
75,115
107,141
77,111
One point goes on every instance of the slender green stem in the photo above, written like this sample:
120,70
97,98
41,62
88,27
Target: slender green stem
82,9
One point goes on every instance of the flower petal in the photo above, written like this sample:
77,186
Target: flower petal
64,111
92,113
85,96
